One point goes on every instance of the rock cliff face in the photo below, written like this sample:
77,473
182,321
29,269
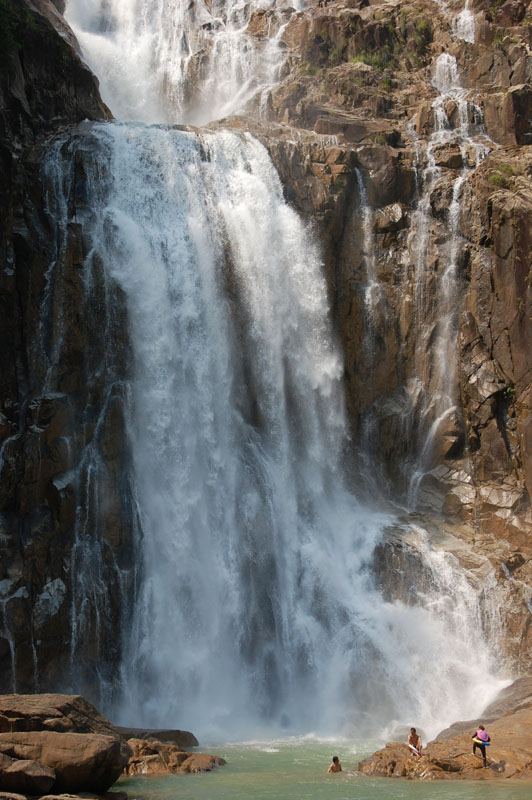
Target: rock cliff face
53,404
408,145
426,227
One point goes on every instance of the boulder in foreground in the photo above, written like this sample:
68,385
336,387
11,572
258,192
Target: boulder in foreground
57,743
82,762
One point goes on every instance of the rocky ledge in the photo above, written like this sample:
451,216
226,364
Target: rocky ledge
449,756
61,745
154,757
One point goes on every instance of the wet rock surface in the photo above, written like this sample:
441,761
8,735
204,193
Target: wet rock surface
174,737
449,756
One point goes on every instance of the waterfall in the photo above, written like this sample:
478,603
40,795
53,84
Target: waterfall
176,60
372,288
256,604
466,132
464,24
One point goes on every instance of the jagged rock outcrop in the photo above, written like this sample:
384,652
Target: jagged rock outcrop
450,755
357,77
46,435
153,757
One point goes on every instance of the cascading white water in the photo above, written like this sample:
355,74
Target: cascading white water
468,134
464,24
176,60
372,289
256,603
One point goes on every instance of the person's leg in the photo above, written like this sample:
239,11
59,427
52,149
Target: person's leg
483,751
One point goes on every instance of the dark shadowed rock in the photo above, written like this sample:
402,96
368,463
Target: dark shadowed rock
180,738
25,776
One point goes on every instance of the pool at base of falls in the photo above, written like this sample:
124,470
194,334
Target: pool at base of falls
295,768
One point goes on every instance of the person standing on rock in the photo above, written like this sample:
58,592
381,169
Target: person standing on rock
335,766
480,739
414,741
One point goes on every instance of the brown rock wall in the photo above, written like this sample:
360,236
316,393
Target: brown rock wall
48,339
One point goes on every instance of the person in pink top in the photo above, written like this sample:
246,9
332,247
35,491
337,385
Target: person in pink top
480,738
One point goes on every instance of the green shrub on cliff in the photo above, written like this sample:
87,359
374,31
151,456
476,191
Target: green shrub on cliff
379,59
499,180
423,35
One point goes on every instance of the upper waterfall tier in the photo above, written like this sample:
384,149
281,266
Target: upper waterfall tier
176,61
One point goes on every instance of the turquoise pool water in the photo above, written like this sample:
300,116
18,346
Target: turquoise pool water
296,769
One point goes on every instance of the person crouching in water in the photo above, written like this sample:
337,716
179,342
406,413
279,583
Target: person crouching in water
414,740
483,736
335,766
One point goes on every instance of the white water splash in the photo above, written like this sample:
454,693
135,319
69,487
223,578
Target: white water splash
372,291
176,60
464,25
466,132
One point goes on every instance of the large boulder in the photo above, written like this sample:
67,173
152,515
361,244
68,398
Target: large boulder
57,742
63,713
81,761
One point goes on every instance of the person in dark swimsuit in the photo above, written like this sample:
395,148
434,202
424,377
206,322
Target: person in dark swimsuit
482,735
